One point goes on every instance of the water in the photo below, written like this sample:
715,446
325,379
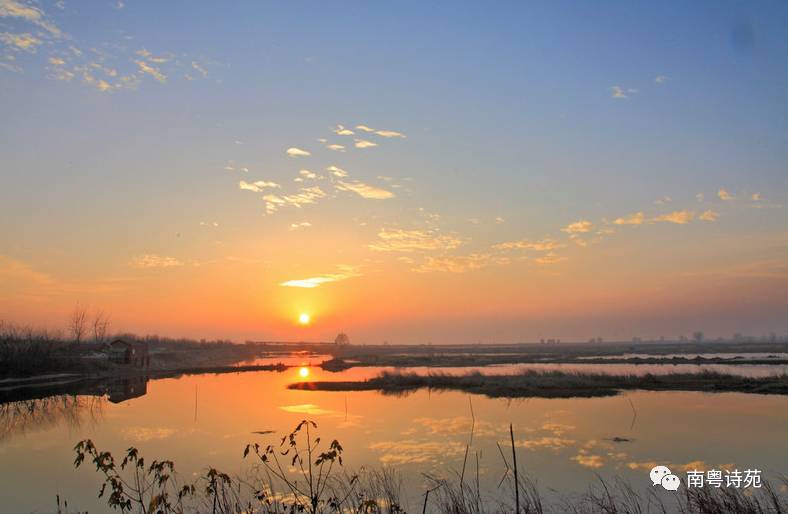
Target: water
206,420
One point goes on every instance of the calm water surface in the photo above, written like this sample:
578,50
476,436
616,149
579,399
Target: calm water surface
206,420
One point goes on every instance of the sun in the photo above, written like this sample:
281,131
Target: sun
303,372
304,318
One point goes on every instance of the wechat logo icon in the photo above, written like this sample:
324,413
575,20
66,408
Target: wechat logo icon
661,475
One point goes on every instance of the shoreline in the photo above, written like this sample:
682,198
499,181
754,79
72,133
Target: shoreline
554,384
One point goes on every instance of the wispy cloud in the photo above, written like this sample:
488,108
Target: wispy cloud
307,195
149,261
622,93
345,272
381,133
660,79
724,195
390,133
459,263
153,71
578,227
364,190
342,131
303,224
637,218
336,147
297,152
337,172
29,13
26,41
709,216
544,245
677,217
401,240
550,258
363,143
308,174
257,186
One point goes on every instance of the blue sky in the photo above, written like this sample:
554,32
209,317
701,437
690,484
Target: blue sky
127,127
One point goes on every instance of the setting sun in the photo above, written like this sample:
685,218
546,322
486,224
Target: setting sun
303,372
304,318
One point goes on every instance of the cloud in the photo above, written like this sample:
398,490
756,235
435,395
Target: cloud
364,190
633,219
307,195
401,240
621,93
411,451
677,217
303,224
660,79
337,172
663,200
546,442
709,216
307,174
11,269
336,148
342,131
306,408
29,13
344,273
724,195
381,133
145,434
756,197
578,227
550,258
499,220
589,461
700,197
363,143
544,245
389,133
459,264
153,71
297,152
579,241
26,41
202,70
257,186
448,427
149,261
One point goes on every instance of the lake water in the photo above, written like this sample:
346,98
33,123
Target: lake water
206,420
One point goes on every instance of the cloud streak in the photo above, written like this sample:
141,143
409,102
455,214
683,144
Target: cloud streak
344,273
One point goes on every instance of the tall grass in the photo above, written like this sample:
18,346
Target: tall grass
303,475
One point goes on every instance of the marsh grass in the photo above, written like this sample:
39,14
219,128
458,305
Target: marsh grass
556,384
302,475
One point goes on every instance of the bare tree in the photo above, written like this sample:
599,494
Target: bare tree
100,326
342,339
78,323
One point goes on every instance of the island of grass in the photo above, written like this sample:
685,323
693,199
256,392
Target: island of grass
555,384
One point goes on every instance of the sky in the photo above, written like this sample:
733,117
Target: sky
404,172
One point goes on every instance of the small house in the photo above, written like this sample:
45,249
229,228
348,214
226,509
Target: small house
133,353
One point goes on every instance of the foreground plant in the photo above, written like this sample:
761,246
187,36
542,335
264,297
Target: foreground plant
298,475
